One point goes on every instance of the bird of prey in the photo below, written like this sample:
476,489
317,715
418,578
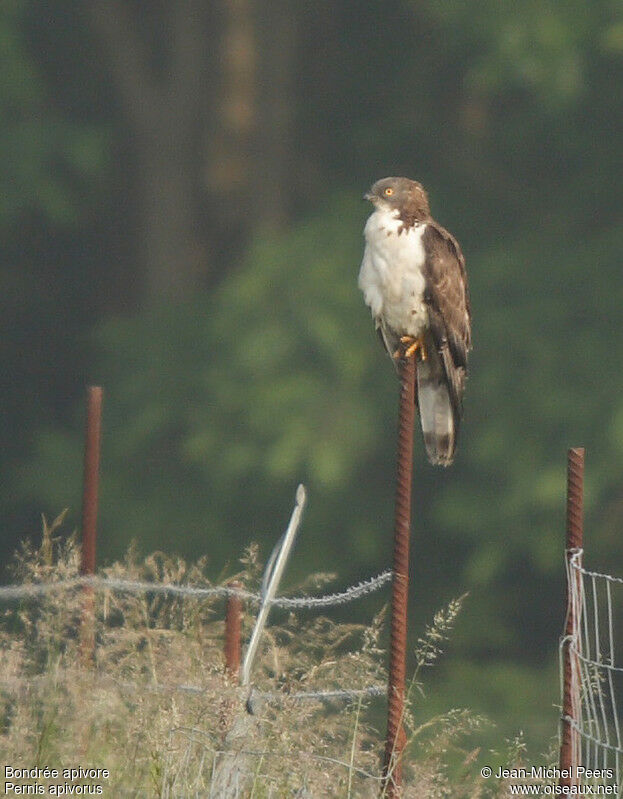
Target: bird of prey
414,281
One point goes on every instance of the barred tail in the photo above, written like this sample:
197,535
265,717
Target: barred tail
437,416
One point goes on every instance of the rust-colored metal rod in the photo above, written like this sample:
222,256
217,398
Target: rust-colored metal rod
396,738
233,631
91,478
90,494
574,540
233,628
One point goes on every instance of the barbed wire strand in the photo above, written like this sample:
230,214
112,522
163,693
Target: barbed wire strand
11,593
16,684
187,731
322,696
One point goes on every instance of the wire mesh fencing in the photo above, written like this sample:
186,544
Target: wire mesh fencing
595,655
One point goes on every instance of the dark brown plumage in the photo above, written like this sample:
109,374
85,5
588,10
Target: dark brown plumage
449,311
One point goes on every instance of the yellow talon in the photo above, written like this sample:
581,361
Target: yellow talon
414,344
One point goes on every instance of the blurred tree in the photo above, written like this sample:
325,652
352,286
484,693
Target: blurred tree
51,169
49,160
159,69
207,94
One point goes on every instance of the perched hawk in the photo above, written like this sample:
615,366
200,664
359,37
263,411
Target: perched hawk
413,279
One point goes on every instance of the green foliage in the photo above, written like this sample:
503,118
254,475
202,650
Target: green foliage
51,177
215,410
533,47
46,157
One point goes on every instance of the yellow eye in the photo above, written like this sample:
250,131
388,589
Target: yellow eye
388,192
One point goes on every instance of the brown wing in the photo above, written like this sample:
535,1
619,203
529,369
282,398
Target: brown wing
447,297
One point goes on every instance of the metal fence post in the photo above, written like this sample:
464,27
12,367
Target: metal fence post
233,628
272,575
396,738
89,514
232,649
569,745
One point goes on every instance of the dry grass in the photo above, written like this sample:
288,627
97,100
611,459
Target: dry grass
127,713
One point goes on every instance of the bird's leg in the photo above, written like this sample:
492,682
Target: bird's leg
410,345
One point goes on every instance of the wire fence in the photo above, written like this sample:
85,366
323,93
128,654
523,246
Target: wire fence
595,606
16,685
195,737
14,593
237,699
35,591
227,770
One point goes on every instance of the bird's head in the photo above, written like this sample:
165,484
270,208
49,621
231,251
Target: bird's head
399,194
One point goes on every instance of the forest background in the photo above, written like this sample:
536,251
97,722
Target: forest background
181,222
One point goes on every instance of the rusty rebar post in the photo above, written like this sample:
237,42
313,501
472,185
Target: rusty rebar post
232,650
569,751
396,738
90,495
233,629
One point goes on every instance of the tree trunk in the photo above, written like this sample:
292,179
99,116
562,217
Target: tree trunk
275,169
163,109
247,133
170,241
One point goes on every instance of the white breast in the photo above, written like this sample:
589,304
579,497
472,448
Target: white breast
391,275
